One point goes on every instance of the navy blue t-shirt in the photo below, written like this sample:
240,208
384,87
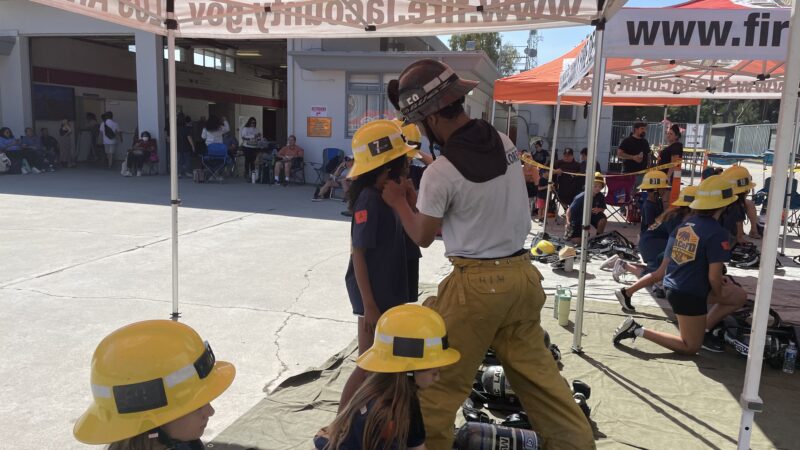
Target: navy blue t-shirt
730,217
576,207
355,439
693,246
542,191
653,241
389,253
650,211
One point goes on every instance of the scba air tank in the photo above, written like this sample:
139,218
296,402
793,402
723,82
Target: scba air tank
484,436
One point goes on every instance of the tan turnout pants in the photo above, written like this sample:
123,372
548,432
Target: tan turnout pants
498,303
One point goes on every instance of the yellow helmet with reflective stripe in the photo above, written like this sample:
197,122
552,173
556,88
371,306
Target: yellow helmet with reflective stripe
599,178
654,179
412,136
712,193
147,374
740,178
407,338
686,196
375,144
543,248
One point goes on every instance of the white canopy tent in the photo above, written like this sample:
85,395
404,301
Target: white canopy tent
235,19
700,71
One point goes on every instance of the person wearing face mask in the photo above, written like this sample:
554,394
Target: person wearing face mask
634,152
152,384
142,148
475,193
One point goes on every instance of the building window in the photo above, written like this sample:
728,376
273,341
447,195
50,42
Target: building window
366,100
180,53
209,58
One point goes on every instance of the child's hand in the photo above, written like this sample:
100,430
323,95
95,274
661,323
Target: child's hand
394,193
371,316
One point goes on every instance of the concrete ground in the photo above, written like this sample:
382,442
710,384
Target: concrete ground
85,251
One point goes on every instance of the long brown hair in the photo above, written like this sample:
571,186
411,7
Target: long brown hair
671,213
388,397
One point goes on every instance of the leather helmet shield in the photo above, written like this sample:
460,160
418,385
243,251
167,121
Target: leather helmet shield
427,86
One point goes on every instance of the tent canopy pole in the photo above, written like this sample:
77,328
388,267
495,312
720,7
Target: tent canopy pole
598,76
788,194
749,400
173,151
696,136
552,164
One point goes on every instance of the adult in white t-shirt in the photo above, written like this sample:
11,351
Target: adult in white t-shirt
111,137
249,138
475,192
214,130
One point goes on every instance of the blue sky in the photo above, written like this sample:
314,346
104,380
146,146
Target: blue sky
557,41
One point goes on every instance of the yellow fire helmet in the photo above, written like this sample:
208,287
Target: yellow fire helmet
567,252
411,133
599,178
375,144
714,192
543,248
654,179
407,338
740,178
686,197
147,374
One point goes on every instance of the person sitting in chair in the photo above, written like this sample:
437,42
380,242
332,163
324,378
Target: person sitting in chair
142,150
337,179
284,160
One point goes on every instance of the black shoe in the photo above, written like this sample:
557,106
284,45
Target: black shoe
712,342
347,214
624,301
626,330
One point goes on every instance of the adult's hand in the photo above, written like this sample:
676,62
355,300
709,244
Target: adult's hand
638,158
394,193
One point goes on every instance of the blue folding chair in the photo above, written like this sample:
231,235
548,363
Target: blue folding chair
331,157
215,162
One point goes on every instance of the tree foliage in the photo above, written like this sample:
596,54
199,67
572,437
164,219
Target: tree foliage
746,112
504,56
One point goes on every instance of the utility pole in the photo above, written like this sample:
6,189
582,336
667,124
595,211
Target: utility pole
532,50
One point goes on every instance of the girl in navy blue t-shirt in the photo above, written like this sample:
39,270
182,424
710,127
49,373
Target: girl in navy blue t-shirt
696,252
383,268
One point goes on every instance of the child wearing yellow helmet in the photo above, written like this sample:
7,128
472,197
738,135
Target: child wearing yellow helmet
696,253
733,217
152,384
653,186
572,228
409,348
384,263
652,244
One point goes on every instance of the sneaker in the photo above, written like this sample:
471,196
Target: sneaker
619,269
35,170
316,198
712,342
626,330
659,291
127,173
138,173
609,263
347,214
624,301
25,170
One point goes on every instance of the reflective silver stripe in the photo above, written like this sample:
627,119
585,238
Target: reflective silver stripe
429,342
180,375
99,391
434,83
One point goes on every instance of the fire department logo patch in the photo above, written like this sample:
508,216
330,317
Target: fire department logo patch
685,247
361,216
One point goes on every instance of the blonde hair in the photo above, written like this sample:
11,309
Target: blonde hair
388,398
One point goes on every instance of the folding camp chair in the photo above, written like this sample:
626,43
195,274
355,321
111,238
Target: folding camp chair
215,162
297,172
331,158
792,219
619,196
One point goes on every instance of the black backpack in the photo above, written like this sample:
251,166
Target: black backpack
109,132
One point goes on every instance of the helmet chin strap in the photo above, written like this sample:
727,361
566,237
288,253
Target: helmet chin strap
432,139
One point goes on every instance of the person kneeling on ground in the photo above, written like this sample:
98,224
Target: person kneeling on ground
385,413
574,214
653,186
152,384
338,179
651,246
695,257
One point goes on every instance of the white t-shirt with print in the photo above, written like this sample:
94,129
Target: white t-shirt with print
248,136
479,220
110,124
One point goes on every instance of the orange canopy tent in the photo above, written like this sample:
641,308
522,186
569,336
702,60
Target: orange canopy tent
539,86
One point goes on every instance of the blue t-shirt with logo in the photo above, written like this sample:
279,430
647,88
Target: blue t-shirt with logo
692,248
653,241
730,217
650,211
576,207
392,258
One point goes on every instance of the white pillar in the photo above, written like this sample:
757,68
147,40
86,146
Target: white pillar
750,400
16,108
150,91
552,164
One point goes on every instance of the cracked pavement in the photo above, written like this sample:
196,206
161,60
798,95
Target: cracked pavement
84,252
